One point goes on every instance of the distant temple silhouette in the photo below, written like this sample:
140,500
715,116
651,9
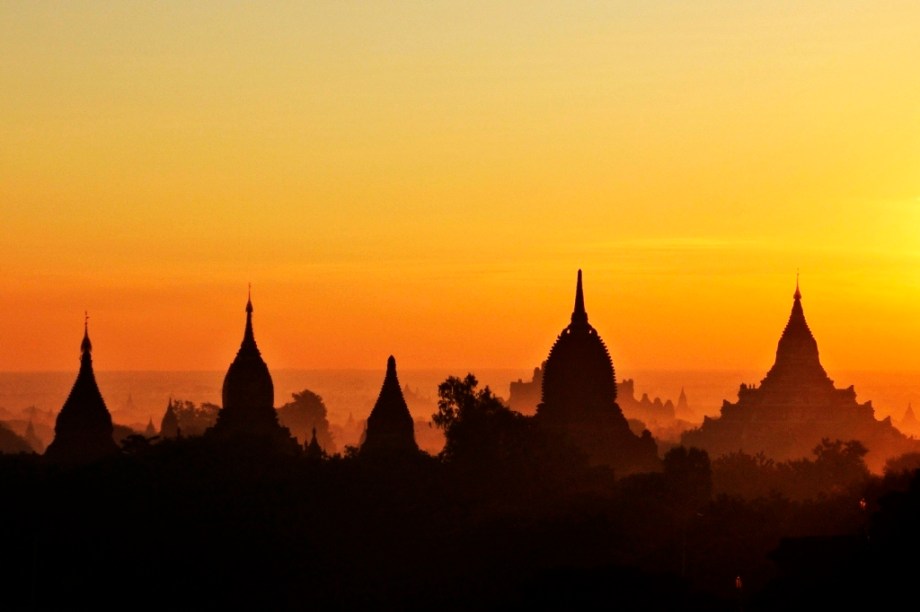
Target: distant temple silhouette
795,406
312,449
390,427
579,398
248,410
525,395
169,426
83,430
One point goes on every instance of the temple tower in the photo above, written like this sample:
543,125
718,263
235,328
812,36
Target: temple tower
579,397
83,430
249,396
795,406
169,426
390,428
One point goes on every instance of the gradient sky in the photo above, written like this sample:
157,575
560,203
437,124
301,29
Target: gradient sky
425,178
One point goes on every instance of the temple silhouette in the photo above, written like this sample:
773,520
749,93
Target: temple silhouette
390,427
525,395
169,425
83,431
248,412
579,398
795,406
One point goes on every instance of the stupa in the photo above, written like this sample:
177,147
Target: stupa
795,406
579,396
83,429
390,428
248,394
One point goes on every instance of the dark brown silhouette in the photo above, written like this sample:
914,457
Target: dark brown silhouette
659,417
248,398
32,438
83,432
169,426
579,398
11,442
795,406
390,428
524,395
909,423
312,450
307,412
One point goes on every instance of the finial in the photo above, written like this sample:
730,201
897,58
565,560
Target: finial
391,364
798,294
579,315
249,299
86,346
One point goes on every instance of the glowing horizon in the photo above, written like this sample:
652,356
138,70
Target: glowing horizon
424,180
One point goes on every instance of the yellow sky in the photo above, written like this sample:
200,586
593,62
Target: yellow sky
424,179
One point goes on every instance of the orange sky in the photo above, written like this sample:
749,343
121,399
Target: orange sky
425,178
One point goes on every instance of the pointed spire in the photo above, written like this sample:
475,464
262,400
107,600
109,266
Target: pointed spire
249,339
86,347
390,427
579,315
313,448
83,428
798,294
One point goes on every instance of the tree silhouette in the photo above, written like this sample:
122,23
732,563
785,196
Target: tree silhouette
303,414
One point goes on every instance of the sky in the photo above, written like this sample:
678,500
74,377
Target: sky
424,179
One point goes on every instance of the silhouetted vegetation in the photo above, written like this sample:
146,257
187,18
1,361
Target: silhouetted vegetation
305,412
515,511
494,522
838,466
194,419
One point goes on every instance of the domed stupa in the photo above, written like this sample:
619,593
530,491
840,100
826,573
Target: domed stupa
249,396
579,398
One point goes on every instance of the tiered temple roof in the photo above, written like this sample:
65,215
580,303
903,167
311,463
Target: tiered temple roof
795,406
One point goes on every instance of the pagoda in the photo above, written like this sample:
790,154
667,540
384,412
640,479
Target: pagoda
83,430
390,428
579,394
248,411
795,407
169,425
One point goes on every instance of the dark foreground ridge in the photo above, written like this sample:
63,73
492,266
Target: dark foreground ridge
567,509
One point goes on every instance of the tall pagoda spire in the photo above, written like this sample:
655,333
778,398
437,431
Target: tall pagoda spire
579,314
248,397
797,357
249,338
248,389
83,429
86,347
